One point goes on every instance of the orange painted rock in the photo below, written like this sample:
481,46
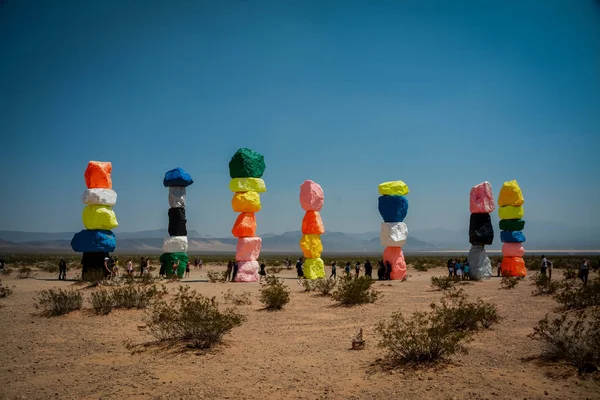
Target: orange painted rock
312,224
311,196
248,248
245,225
97,175
245,202
513,266
395,256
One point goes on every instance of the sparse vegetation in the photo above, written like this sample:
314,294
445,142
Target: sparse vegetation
354,291
324,286
7,271
459,314
25,272
54,302
444,282
237,299
510,282
275,294
572,337
192,319
544,285
274,269
575,297
102,302
569,274
130,296
5,291
216,276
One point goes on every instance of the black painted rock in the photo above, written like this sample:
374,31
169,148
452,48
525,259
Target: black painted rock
481,231
177,222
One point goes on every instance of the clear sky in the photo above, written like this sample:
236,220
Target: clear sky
440,94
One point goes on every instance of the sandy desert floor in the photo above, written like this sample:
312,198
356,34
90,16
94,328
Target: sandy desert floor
302,352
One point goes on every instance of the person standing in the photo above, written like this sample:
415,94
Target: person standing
196,262
499,267
357,268
347,268
368,269
388,271
458,269
174,266
466,270
142,265
1,264
115,267
235,270
229,271
584,271
262,272
544,265
380,270
147,267
451,263
200,263
550,265
333,271
62,270
187,270
129,267
299,272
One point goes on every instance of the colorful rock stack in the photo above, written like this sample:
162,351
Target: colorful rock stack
176,244
311,200
511,213
481,232
246,169
98,218
393,207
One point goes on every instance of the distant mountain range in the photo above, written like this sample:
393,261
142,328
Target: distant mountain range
540,236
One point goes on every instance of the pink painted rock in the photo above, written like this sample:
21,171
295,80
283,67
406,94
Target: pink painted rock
248,248
395,256
311,196
247,271
513,250
482,199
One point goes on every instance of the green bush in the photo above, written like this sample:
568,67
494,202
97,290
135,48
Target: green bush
216,276
237,299
444,282
102,302
275,294
424,338
58,301
569,273
354,291
572,338
544,285
274,269
510,282
574,297
192,319
323,285
459,314
130,296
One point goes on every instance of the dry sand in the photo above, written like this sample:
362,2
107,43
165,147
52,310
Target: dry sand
302,352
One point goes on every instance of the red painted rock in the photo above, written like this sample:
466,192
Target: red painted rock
395,256
248,248
245,225
312,224
97,175
311,196
513,266
513,250
482,199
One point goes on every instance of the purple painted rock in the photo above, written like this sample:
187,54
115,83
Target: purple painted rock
311,196
482,199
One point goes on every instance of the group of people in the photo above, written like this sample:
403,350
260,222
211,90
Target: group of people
232,270
459,268
384,269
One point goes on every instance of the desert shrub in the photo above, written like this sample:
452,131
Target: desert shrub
58,301
275,269
571,337
544,285
459,314
353,291
574,297
130,296
102,302
5,291
237,299
25,272
569,273
444,282
275,294
191,318
419,265
216,276
148,279
93,276
424,338
324,286
7,271
510,282
307,284
48,266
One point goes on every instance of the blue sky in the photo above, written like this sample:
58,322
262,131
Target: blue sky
440,94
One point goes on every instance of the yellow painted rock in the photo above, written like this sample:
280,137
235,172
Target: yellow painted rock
311,246
314,268
510,195
393,188
245,202
247,185
510,212
99,217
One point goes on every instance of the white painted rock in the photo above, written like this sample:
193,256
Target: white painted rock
177,196
393,234
175,244
104,197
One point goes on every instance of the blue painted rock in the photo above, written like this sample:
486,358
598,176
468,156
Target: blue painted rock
512,237
393,208
93,241
177,177
481,231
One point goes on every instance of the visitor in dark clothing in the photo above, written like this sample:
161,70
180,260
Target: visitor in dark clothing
380,270
584,271
235,270
388,271
357,268
299,271
368,269
262,272
229,271
347,268
333,271
62,270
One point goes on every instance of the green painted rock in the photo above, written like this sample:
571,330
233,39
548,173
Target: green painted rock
168,258
246,163
512,224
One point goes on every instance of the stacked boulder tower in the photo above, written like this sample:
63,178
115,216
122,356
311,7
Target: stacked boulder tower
311,200
481,231
246,169
175,246
97,240
511,214
393,207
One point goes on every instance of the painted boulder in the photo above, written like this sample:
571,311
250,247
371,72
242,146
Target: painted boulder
393,208
175,244
314,268
512,237
480,229
393,234
99,217
94,241
311,196
247,185
312,224
482,199
97,175
244,226
101,197
311,246
510,195
247,163
396,258
245,202
177,177
248,248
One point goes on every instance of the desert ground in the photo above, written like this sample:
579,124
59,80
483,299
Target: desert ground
301,352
